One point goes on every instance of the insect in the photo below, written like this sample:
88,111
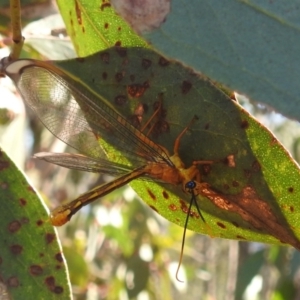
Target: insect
79,118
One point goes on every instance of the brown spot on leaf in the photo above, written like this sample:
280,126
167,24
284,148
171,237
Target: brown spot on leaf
78,13
273,141
172,207
240,237
292,208
256,166
4,165
151,194
30,189
22,201
206,126
154,208
120,100
16,249
105,57
146,63
230,161
118,44
106,25
194,214
235,224
226,186
42,254
136,118
186,87
221,225
59,257
12,281
139,111
291,189
50,282
104,75
137,90
39,222
165,195
163,62
122,52
49,238
235,183
244,124
255,211
119,77
14,226
105,5
35,270
58,289
184,208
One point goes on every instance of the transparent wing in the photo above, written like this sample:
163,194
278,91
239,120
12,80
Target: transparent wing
79,118
83,163
89,164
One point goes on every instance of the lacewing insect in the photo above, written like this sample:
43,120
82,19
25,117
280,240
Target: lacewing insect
79,117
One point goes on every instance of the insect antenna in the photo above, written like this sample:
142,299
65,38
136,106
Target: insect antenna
190,188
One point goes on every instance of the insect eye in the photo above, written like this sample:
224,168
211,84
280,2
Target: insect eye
190,185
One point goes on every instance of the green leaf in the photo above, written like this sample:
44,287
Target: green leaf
94,26
247,271
250,46
241,194
31,261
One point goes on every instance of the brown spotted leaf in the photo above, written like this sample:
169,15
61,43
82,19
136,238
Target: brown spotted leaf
31,260
94,26
248,193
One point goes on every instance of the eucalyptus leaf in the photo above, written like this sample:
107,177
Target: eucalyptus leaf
94,26
241,194
31,259
250,46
